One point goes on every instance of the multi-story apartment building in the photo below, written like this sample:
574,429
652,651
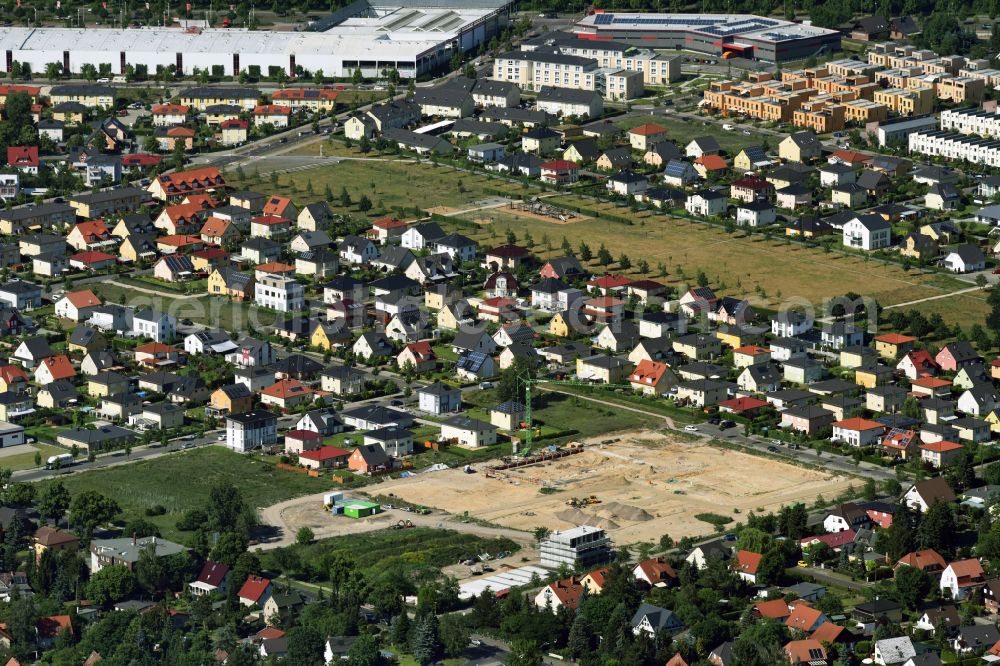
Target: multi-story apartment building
551,67
821,116
656,68
953,146
909,102
971,121
279,292
864,111
960,89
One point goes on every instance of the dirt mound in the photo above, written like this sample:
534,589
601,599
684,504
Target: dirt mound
626,512
577,517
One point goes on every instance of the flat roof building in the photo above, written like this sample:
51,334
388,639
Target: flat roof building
742,35
414,38
582,546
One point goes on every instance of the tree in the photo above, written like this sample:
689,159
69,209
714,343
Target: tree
524,653
304,536
585,253
702,279
912,585
305,646
425,642
364,652
53,71
54,501
150,571
603,256
454,635
936,527
898,539
771,567
399,630
89,72
110,584
624,262
580,641
364,203
90,509
357,77
870,490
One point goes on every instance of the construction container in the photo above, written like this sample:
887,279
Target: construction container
337,509
333,498
361,509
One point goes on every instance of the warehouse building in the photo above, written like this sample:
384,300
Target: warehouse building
726,35
414,39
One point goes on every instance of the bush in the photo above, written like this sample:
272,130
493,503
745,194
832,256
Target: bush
156,510
192,520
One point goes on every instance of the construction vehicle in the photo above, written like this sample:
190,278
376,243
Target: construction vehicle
402,525
579,503
529,381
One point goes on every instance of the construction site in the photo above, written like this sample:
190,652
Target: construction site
638,487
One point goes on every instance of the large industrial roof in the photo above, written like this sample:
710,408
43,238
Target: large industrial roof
381,31
717,25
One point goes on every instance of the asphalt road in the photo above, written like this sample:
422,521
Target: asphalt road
831,462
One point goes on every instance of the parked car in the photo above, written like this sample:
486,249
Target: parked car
690,428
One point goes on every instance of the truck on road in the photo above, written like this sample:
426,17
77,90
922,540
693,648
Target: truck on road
59,461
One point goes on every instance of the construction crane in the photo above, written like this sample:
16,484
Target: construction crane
530,381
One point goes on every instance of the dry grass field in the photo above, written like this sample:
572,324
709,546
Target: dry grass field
648,484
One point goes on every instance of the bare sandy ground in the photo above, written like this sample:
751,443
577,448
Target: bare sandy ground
648,484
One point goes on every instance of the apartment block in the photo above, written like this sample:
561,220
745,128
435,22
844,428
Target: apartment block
971,121
908,102
961,89
864,111
954,146
821,116
989,77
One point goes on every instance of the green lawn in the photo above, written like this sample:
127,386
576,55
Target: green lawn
567,414
215,312
383,551
26,460
682,130
182,481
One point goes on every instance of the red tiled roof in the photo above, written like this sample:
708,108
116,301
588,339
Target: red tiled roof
648,129
92,257
712,162
609,281
325,453
287,388
923,559
559,165
59,367
270,220
254,588
22,156
895,338
747,562
139,159
170,109
648,373
833,540
941,447
303,435
302,93
271,110
84,298
858,423
745,404
776,609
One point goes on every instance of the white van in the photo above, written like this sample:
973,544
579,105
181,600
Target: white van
119,79
728,127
